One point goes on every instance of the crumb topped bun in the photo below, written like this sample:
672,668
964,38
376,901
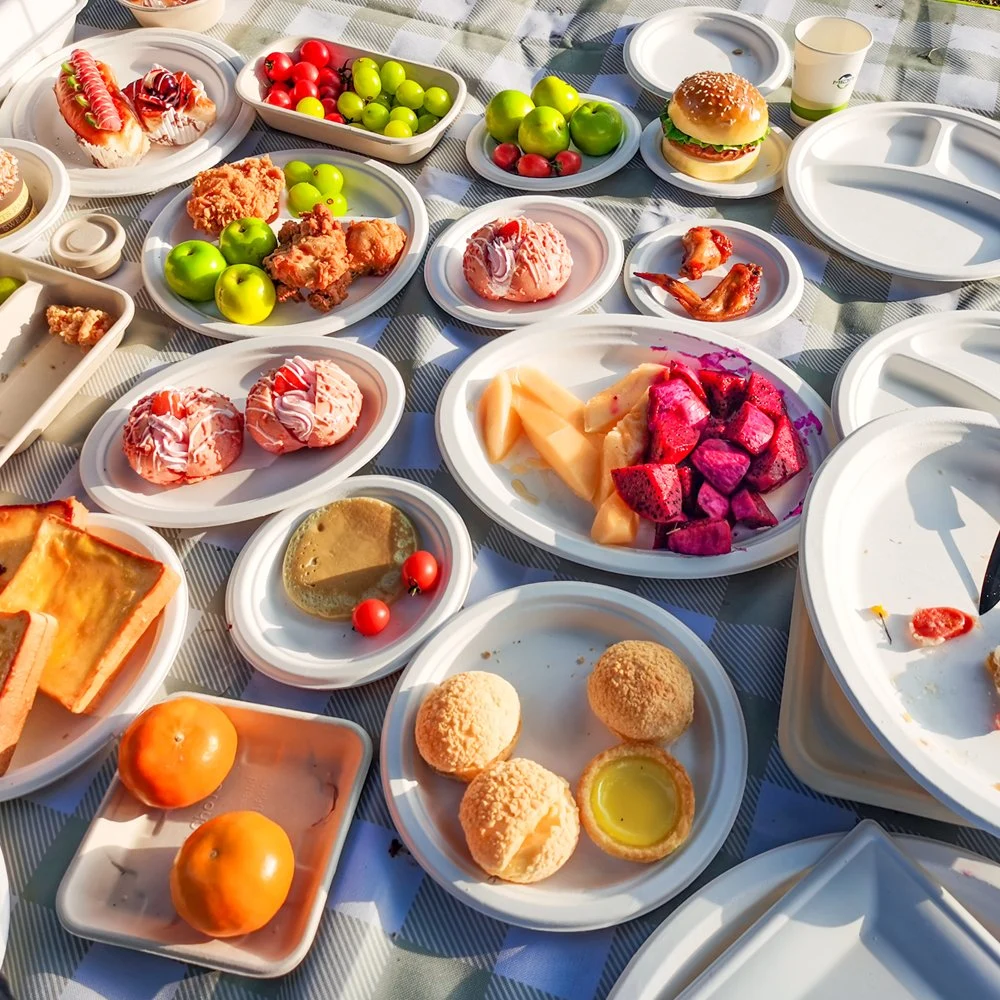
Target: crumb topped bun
713,126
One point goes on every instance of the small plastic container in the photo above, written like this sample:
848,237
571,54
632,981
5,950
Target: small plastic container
251,85
198,15
30,32
91,245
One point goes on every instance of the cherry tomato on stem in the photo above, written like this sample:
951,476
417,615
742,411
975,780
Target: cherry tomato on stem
533,165
279,97
370,617
278,66
420,572
305,71
506,155
329,77
316,52
567,162
336,116
303,88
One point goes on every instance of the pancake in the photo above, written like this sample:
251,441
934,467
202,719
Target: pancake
347,552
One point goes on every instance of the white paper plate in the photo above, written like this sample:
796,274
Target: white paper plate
536,637
904,514
671,46
661,252
587,356
257,483
908,188
372,190
766,175
47,183
480,144
593,240
941,359
30,111
295,648
55,741
688,941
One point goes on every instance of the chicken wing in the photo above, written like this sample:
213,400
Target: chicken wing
704,250
374,245
731,298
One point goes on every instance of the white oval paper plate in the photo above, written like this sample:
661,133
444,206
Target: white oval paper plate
766,175
593,240
372,190
674,45
55,741
587,356
48,185
257,483
940,359
544,638
480,144
706,924
661,251
290,646
904,514
30,111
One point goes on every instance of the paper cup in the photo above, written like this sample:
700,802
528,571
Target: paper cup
829,52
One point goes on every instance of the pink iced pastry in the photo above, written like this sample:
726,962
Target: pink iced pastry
517,260
303,404
182,435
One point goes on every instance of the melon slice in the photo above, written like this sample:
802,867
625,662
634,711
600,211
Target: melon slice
609,406
500,424
615,523
573,456
551,393
625,444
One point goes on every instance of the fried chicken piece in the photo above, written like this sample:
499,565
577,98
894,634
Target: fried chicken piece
993,667
78,324
375,245
249,188
704,250
731,298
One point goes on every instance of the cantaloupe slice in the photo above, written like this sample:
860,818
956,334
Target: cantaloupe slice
609,406
625,444
615,523
573,457
500,424
551,393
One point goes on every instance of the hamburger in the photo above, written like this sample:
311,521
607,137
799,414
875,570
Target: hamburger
713,126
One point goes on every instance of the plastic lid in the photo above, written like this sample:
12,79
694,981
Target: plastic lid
88,241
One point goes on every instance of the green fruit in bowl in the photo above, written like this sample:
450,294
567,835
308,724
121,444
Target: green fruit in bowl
311,106
410,95
406,116
367,83
337,204
384,99
596,127
351,106
374,117
398,130
436,101
551,92
425,123
192,269
392,75
245,294
327,179
247,241
297,172
7,288
505,113
303,198
363,62
543,131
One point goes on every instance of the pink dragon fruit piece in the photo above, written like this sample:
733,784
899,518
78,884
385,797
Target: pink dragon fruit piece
671,440
725,391
690,481
653,491
675,399
681,371
721,463
750,508
783,458
763,394
712,503
703,538
750,428
715,427
663,531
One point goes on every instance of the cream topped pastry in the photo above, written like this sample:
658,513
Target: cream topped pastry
172,108
16,206
517,260
303,404
179,436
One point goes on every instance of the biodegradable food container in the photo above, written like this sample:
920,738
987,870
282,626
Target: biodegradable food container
91,245
251,85
48,185
30,31
199,15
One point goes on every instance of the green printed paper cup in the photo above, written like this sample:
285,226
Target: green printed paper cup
829,52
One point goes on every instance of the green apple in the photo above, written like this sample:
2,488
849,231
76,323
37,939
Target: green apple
551,92
596,128
192,269
244,294
7,288
247,241
543,131
505,112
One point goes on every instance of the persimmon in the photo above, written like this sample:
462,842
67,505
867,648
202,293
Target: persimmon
177,752
232,875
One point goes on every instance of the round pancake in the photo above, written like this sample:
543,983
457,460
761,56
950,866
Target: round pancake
346,552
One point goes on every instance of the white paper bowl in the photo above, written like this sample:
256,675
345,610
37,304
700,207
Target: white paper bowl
48,185
199,15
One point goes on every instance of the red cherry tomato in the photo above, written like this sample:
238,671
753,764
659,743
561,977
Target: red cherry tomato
278,66
315,52
329,92
420,572
167,401
328,77
305,71
568,162
506,155
279,97
370,617
336,116
303,88
329,105
533,165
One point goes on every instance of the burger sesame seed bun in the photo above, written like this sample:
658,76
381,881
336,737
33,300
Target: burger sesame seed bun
707,170
719,108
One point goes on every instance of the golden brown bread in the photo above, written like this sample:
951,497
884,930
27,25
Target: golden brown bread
19,523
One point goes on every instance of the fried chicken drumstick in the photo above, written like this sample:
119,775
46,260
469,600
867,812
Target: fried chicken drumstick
704,250
731,298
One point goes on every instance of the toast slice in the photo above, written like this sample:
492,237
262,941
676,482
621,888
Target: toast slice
19,523
26,639
103,597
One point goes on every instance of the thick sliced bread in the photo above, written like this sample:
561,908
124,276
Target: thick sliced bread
103,597
26,639
19,523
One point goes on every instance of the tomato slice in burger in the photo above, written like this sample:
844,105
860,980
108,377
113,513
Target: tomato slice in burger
932,626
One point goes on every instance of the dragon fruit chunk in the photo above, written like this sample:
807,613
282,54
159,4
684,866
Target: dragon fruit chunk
712,503
663,531
703,538
675,399
762,393
681,371
725,390
721,463
690,481
783,458
715,428
751,509
671,440
750,428
653,491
